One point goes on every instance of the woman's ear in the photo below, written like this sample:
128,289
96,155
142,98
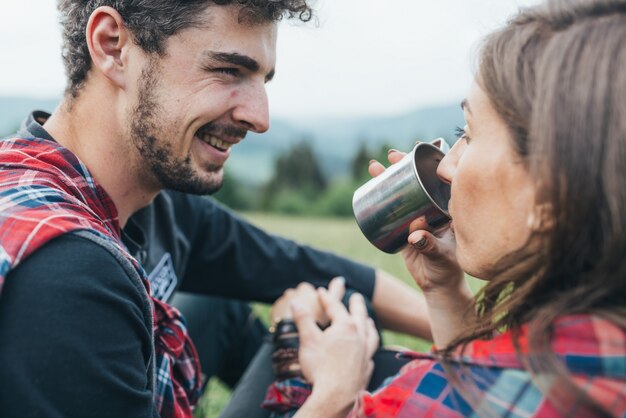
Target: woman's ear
107,38
541,219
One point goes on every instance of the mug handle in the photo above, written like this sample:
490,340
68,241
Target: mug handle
441,144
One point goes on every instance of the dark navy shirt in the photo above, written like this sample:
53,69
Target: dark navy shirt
71,331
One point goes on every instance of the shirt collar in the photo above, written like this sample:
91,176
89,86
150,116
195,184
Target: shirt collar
32,126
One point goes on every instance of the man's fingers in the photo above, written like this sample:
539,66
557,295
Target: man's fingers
337,288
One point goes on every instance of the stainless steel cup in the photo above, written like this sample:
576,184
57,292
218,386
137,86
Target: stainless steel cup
408,195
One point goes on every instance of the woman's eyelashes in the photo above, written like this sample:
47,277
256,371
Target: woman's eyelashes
461,133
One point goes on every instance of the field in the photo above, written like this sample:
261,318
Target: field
341,236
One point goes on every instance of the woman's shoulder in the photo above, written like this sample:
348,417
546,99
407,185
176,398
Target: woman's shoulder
583,341
592,349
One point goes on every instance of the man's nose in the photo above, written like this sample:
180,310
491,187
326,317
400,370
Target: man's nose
253,110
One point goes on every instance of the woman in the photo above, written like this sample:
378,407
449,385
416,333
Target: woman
538,209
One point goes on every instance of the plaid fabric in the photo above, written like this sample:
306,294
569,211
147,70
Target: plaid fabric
592,350
45,191
286,396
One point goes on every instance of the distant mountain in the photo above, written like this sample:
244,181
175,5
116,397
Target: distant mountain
14,109
335,140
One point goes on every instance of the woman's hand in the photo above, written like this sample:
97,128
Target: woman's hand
336,361
306,296
430,258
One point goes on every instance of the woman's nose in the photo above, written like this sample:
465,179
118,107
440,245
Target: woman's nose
447,166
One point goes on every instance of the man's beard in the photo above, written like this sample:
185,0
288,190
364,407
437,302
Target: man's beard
147,121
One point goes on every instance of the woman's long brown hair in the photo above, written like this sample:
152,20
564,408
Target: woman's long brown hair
556,74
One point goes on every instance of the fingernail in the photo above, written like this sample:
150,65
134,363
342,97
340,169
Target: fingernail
340,279
295,306
421,243
372,162
391,150
357,295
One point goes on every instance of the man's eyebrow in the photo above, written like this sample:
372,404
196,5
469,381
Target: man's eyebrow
235,58
465,105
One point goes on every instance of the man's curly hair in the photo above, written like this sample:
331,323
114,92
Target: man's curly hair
151,23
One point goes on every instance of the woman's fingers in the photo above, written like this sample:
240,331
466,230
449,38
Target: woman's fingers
337,288
393,155
364,324
423,241
357,306
426,243
334,308
305,321
375,168
373,339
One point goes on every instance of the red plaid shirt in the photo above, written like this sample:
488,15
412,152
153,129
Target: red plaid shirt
592,350
45,191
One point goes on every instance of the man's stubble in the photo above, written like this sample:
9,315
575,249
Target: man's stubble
149,130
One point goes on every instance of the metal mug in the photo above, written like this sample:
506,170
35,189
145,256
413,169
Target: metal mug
407,196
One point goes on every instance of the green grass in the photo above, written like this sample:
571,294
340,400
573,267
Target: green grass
341,236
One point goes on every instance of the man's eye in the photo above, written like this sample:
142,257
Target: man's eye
233,72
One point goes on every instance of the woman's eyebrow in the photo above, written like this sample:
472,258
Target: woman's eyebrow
465,106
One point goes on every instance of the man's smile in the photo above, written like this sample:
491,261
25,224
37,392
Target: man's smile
222,138
216,142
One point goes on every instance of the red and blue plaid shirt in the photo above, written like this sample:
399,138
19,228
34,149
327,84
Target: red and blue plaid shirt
591,350
45,191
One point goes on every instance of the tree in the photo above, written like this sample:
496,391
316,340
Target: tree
360,162
298,172
233,193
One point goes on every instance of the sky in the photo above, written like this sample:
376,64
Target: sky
360,57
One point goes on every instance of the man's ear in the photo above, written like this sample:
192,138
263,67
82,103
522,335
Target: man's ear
107,39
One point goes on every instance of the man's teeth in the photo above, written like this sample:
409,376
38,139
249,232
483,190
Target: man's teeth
216,142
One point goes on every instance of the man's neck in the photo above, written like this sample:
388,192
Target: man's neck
96,134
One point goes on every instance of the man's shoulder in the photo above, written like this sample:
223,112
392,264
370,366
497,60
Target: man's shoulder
27,158
36,211
77,325
71,265
25,141
74,261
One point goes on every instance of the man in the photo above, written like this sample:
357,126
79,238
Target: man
157,96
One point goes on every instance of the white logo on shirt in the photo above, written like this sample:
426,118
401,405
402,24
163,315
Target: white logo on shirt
163,279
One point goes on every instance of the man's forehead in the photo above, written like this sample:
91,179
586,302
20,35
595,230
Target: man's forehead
225,26
218,33
234,14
